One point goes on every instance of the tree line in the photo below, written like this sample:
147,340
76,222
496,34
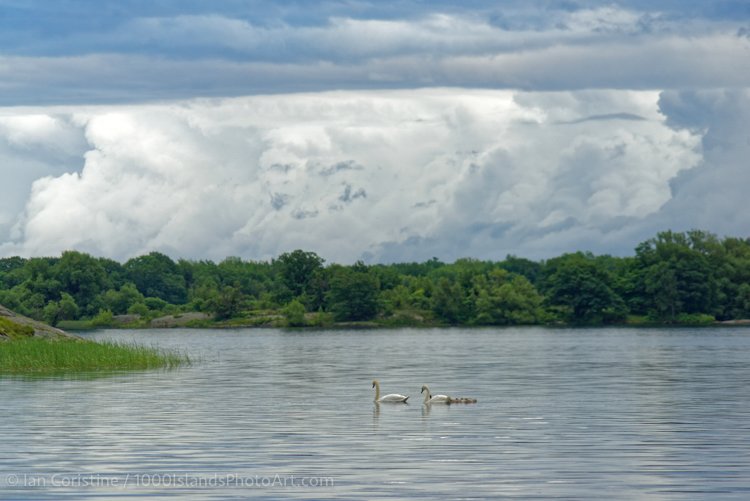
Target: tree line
688,277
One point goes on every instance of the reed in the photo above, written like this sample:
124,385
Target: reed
34,355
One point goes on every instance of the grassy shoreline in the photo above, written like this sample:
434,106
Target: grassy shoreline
31,347
34,355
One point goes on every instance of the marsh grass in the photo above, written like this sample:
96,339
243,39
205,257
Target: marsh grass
35,355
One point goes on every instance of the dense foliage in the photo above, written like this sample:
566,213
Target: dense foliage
673,278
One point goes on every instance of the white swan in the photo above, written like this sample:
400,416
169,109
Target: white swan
391,397
437,399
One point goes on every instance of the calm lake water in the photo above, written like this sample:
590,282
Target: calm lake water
562,413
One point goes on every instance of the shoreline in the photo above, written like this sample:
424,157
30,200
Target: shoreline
197,320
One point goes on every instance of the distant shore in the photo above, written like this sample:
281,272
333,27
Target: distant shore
269,319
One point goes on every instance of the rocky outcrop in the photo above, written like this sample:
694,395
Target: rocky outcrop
742,321
40,329
181,320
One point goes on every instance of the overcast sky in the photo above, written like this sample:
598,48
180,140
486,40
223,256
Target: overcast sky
376,130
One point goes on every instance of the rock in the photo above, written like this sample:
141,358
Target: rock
40,329
179,320
126,319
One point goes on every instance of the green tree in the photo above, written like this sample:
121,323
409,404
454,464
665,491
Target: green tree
64,309
532,270
11,299
317,288
156,275
679,271
12,272
663,288
735,284
297,270
121,300
249,277
83,277
396,298
579,285
227,303
353,293
449,302
507,299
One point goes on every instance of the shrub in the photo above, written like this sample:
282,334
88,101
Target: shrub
105,318
294,312
695,319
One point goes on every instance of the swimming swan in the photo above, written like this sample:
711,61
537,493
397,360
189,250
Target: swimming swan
444,399
392,397
437,399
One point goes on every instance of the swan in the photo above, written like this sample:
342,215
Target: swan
437,399
444,399
391,397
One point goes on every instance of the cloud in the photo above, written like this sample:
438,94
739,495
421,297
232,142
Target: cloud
385,175
713,194
33,145
172,53
363,129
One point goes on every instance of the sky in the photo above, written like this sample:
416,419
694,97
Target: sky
385,131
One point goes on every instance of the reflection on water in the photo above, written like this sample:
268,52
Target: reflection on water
660,414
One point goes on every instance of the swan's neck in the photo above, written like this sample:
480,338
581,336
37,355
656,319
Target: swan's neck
427,395
377,391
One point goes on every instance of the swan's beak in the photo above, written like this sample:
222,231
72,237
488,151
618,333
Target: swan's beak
422,390
373,385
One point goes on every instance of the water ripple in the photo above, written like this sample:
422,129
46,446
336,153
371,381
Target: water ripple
580,414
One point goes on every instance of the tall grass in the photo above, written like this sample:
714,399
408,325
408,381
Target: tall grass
33,355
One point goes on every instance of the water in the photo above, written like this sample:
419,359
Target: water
562,413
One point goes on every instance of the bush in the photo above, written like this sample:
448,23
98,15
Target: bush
294,312
105,318
138,309
155,303
320,319
695,319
